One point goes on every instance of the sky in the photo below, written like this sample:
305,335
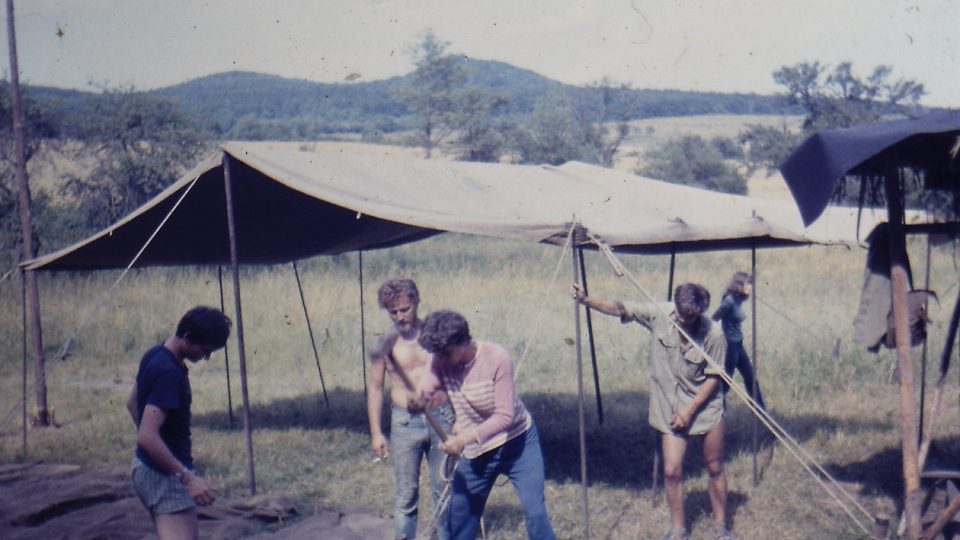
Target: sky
705,45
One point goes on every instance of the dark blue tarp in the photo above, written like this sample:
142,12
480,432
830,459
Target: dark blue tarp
927,144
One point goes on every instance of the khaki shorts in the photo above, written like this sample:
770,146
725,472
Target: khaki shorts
160,493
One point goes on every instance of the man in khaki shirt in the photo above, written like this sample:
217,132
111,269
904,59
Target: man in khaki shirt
398,354
684,396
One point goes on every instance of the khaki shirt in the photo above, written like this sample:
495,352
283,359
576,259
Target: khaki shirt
678,370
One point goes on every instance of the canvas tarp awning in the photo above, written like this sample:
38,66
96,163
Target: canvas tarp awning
292,203
928,144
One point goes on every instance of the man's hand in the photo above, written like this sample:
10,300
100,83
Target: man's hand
199,489
415,402
454,445
378,445
577,292
680,421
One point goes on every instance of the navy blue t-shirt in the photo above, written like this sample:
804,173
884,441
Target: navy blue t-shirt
162,381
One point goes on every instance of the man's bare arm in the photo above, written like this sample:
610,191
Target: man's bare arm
132,406
148,439
607,307
375,393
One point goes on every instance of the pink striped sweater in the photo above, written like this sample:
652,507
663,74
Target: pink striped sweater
483,396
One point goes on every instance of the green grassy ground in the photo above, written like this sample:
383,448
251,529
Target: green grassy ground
842,409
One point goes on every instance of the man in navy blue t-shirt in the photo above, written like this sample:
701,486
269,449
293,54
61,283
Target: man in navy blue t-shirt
162,471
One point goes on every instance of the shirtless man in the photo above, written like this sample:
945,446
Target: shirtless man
410,433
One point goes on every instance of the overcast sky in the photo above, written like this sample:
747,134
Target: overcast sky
710,45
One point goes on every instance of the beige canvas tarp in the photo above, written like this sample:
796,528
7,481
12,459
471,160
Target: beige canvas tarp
292,203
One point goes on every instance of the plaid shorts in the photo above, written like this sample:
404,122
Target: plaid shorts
160,493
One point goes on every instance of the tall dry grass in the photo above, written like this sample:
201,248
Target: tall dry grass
843,410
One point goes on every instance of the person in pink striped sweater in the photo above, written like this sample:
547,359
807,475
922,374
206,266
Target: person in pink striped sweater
493,433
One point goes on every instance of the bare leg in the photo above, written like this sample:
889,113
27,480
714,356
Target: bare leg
674,448
177,526
717,487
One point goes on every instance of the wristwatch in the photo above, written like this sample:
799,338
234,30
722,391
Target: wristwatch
179,475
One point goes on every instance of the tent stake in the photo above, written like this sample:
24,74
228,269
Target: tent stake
235,264
313,342
226,355
593,349
580,411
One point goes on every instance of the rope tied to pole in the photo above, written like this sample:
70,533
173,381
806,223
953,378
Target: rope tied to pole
793,447
85,314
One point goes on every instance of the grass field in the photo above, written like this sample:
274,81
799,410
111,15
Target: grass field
842,409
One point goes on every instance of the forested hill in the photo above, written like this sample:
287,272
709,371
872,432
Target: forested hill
253,105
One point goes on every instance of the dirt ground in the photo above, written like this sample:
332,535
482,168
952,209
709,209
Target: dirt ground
53,501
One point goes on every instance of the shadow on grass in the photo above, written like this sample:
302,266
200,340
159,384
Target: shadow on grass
619,452
881,474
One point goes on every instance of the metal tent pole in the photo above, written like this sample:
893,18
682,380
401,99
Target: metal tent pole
593,349
363,328
313,342
226,355
658,449
580,408
235,264
753,351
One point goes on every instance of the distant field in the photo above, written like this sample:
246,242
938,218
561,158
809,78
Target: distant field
49,171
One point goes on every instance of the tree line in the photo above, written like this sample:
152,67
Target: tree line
133,144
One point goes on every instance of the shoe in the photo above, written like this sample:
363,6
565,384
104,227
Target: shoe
676,534
725,534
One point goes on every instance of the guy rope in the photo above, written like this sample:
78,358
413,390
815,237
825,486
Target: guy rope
824,479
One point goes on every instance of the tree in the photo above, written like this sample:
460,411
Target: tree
603,111
481,134
838,98
434,90
693,161
139,143
766,146
585,124
550,135
830,99
40,128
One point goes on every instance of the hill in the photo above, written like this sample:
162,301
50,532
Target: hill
245,105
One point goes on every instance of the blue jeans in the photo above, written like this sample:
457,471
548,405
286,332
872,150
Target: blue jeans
412,438
521,460
737,359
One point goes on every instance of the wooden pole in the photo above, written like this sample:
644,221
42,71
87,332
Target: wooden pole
23,381
593,349
235,264
908,418
226,355
313,342
941,381
29,250
942,520
923,352
580,409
